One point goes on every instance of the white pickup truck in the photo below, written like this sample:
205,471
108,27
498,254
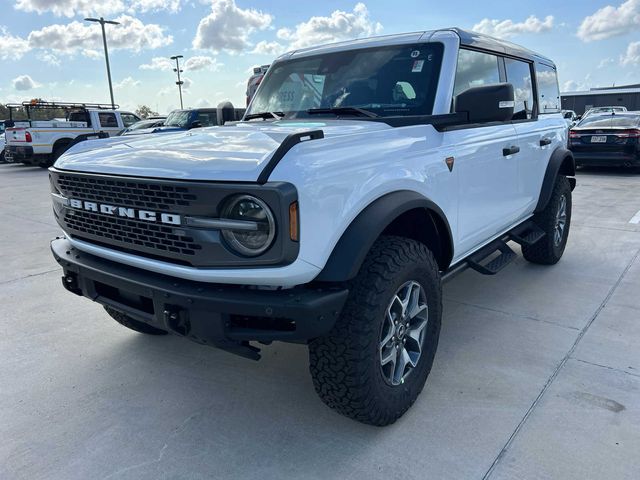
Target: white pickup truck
41,142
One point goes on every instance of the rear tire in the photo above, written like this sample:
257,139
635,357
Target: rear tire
51,159
353,367
555,221
130,323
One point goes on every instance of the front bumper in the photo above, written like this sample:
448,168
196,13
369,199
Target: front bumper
224,316
14,153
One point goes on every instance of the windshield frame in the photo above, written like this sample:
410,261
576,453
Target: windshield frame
430,79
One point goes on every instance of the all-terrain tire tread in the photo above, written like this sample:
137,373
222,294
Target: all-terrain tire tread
340,365
544,251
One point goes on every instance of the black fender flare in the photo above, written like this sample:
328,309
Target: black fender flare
561,162
356,241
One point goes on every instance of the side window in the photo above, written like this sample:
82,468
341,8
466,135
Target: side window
128,119
519,75
108,120
474,70
208,119
548,92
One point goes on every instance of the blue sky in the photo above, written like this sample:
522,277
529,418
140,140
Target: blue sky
47,51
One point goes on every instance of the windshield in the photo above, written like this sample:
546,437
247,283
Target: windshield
396,80
143,124
610,121
179,118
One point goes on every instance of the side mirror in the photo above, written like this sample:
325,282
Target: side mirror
489,103
196,124
226,113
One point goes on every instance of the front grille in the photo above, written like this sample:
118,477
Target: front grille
133,232
180,244
138,194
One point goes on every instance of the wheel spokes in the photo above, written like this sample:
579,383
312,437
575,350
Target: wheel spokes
402,332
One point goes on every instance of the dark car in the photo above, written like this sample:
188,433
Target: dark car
137,127
607,140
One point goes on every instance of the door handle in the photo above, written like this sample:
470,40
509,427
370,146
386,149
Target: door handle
545,141
510,150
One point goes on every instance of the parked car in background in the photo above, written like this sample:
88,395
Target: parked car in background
607,140
137,127
570,117
180,120
254,81
2,141
611,109
41,142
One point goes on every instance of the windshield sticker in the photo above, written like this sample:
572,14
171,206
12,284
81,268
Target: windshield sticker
417,66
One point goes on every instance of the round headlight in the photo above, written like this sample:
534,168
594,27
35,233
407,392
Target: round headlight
250,209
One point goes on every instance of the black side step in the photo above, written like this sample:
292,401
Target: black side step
493,266
526,234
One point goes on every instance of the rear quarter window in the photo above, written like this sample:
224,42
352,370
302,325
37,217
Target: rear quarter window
548,91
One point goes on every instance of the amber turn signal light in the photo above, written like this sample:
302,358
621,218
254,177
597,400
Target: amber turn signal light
294,228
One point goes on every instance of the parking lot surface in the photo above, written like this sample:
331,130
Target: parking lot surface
537,374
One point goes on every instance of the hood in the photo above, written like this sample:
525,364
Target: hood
230,153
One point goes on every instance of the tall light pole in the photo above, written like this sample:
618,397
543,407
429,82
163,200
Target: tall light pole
102,21
178,71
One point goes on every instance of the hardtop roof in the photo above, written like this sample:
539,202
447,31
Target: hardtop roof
468,38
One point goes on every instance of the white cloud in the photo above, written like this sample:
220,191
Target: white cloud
12,47
509,28
71,8
268,48
127,82
24,82
49,59
605,62
198,62
228,27
338,26
632,55
611,21
202,62
143,6
158,63
188,83
131,34
573,86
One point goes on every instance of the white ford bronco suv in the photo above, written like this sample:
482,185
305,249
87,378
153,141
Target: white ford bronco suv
363,174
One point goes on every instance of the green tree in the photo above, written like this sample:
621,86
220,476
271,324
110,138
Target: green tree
144,111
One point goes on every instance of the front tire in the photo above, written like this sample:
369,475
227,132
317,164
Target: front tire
132,324
555,221
374,363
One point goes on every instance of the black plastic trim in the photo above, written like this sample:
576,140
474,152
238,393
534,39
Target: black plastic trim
287,144
557,163
206,311
352,248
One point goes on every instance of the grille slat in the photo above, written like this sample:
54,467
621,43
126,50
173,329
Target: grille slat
129,231
134,194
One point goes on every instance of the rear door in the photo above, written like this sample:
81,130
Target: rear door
539,125
488,196
108,122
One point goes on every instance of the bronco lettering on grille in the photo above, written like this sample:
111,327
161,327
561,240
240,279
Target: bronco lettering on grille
126,212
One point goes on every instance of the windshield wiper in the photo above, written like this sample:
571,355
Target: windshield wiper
343,110
265,115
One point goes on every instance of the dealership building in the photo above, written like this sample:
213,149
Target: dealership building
579,102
